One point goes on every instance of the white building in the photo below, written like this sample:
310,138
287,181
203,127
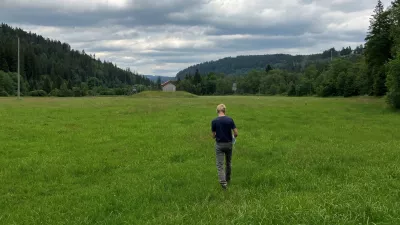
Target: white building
168,86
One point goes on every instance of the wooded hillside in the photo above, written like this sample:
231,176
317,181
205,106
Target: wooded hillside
243,64
51,66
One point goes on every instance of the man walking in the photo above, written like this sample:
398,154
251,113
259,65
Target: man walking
222,128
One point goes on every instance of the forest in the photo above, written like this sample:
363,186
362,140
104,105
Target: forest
341,77
49,67
372,69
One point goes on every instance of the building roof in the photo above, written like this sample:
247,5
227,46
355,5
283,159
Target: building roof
167,82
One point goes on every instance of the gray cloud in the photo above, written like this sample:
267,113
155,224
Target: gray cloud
164,36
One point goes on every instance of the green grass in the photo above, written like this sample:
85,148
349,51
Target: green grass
129,160
162,94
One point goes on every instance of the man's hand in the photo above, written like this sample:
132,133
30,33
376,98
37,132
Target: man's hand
214,134
235,132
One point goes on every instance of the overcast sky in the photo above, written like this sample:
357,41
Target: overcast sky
165,36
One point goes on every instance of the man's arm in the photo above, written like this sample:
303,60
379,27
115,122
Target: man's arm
213,129
235,132
234,128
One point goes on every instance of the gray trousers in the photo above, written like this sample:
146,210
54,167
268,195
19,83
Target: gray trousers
224,151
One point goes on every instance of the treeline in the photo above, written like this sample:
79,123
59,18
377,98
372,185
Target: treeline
382,53
9,87
341,77
243,64
51,67
372,70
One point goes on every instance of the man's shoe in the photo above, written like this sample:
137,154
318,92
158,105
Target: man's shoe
224,186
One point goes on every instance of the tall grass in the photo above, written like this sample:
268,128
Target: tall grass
151,161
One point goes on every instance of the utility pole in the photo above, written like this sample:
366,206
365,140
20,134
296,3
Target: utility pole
19,86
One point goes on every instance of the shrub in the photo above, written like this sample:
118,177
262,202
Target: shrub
92,93
393,99
326,90
121,91
38,93
107,92
292,89
55,92
65,92
77,92
3,93
393,83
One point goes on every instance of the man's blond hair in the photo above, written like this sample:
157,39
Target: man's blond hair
221,108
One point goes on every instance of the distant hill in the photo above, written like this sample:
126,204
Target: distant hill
155,77
243,64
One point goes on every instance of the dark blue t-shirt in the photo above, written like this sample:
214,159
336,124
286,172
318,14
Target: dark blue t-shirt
223,127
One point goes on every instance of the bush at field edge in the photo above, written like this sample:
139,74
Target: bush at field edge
162,94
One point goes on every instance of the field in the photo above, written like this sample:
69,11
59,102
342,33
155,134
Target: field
133,160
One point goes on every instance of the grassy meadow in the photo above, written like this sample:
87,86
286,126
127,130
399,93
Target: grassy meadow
143,160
